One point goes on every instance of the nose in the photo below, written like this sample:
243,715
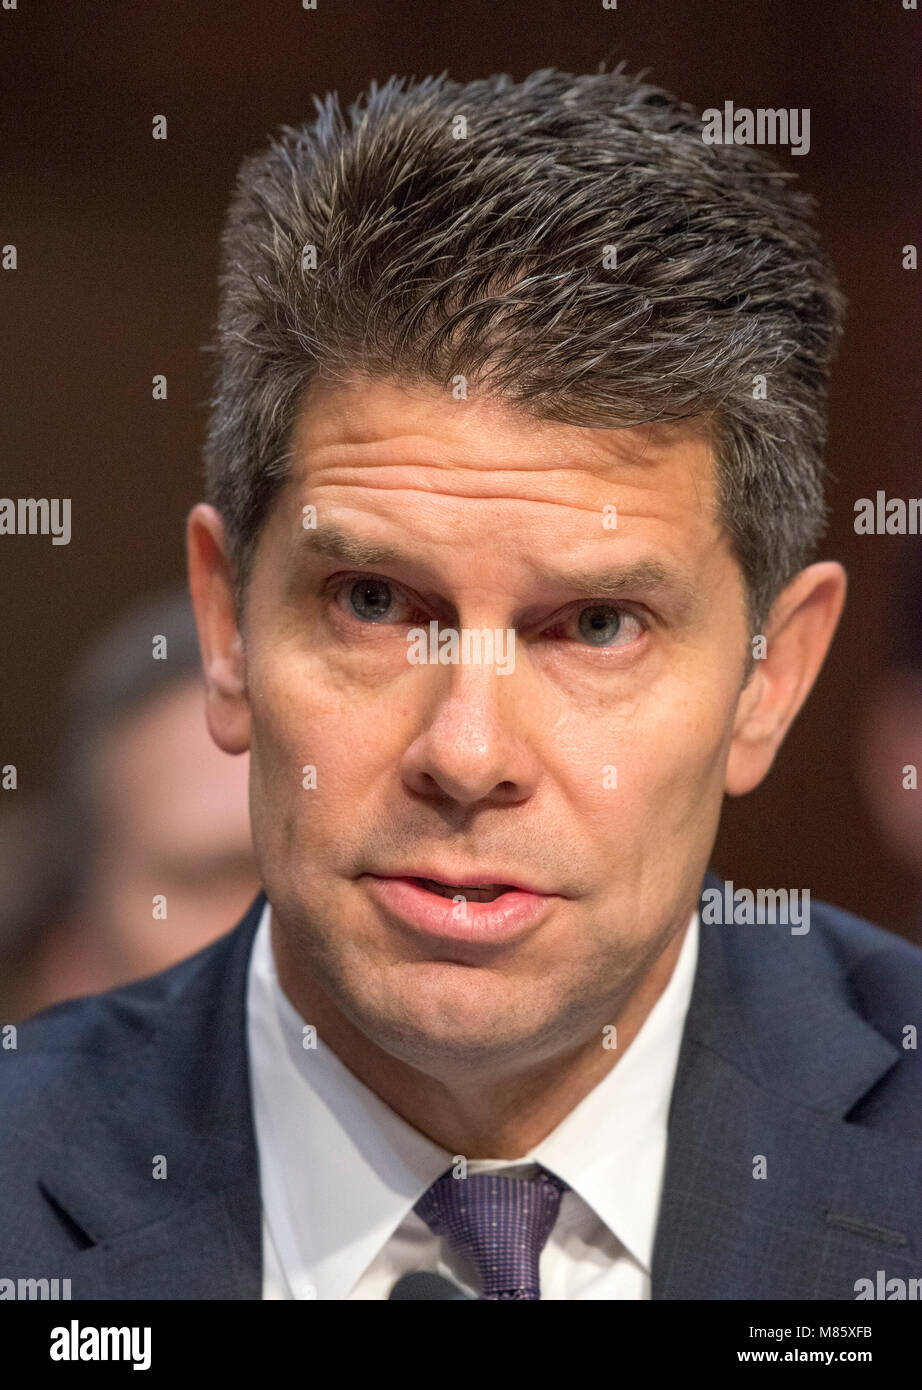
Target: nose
474,746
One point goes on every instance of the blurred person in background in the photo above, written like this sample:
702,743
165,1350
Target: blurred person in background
138,853
890,746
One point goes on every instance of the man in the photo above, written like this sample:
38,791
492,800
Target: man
503,582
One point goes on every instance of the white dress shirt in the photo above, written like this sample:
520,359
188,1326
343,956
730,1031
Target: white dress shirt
340,1171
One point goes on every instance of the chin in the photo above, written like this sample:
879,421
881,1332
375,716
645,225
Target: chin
441,1020
439,1053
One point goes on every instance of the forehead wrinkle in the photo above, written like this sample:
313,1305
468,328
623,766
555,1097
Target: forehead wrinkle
578,500
596,453
349,415
550,485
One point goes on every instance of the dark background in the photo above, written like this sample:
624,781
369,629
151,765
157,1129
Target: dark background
117,236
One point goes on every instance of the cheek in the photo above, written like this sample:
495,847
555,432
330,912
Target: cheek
650,765
317,748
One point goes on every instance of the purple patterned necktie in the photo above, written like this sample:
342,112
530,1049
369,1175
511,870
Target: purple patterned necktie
498,1224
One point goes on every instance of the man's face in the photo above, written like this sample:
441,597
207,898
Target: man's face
592,772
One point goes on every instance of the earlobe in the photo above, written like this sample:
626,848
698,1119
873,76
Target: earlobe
211,585
800,631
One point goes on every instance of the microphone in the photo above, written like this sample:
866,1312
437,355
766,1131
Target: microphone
426,1287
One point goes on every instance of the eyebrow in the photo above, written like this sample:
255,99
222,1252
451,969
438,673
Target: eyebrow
334,544
641,576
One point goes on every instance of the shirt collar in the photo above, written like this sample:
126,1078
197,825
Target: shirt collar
611,1147
314,1117
339,1169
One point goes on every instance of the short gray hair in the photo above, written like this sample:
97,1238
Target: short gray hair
460,229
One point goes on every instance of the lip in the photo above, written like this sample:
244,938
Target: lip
507,918
464,876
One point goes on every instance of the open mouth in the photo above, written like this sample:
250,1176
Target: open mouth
477,914
483,893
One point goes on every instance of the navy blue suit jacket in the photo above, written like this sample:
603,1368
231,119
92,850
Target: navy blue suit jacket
793,1049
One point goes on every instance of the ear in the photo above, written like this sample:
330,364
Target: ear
801,627
227,708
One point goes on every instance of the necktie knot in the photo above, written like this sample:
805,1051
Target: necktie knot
498,1224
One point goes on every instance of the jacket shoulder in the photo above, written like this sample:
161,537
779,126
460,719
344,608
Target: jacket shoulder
876,963
879,976
880,972
74,1056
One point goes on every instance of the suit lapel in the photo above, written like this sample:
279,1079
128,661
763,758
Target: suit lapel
772,1060
176,1102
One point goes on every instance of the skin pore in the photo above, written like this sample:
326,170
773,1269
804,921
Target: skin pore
476,515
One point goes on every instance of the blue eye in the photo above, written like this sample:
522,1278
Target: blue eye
371,599
600,624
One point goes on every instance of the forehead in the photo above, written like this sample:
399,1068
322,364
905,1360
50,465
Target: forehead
475,496
378,433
